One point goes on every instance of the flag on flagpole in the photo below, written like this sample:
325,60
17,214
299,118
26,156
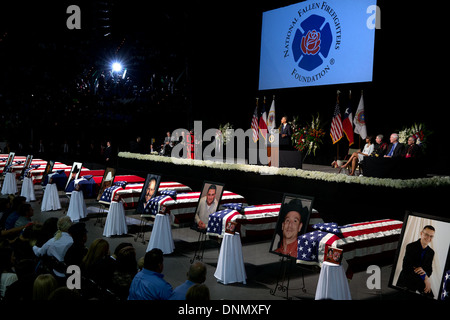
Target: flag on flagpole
359,120
347,124
336,131
263,121
271,122
255,124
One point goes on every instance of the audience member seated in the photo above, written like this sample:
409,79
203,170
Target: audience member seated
78,250
125,271
43,286
149,283
395,149
97,266
379,148
198,292
57,246
7,274
358,157
195,275
11,218
22,289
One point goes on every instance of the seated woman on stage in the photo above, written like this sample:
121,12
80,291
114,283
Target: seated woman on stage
379,148
357,157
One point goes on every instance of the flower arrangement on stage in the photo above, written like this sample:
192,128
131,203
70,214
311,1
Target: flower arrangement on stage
418,131
309,137
225,135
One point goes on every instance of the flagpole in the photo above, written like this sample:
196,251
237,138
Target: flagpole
337,144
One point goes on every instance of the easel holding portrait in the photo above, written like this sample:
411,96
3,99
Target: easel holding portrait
107,181
293,221
208,203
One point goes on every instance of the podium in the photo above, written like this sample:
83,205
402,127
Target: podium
230,266
332,284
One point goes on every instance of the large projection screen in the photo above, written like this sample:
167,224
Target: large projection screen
315,43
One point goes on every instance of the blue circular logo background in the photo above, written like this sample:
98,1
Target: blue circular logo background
309,46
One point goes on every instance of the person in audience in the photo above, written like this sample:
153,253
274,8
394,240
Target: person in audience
195,275
22,289
395,149
358,157
198,292
97,264
412,150
11,218
7,274
57,246
43,286
25,212
77,250
379,148
125,271
149,283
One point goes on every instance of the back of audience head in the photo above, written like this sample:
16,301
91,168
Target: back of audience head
153,260
43,286
98,250
197,272
63,225
198,292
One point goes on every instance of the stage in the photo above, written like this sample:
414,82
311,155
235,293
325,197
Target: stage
338,197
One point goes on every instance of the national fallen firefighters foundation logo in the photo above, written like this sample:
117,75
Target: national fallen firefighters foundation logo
312,42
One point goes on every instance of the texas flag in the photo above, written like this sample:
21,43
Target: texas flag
347,125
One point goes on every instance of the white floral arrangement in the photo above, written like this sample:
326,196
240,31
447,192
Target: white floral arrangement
226,135
417,131
434,181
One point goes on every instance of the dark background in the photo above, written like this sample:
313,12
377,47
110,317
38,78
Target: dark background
211,49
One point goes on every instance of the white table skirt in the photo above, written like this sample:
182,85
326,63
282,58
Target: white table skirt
9,184
116,223
50,201
77,207
332,284
161,236
27,190
230,266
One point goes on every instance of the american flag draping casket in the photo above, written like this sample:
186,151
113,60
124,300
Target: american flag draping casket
129,194
362,243
256,220
38,173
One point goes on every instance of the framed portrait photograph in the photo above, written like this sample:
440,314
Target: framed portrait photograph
149,191
208,203
74,173
27,164
293,220
107,181
422,255
47,171
333,255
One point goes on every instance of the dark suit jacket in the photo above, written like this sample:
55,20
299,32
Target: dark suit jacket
285,141
413,259
398,151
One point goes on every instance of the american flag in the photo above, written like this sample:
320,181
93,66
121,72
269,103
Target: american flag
154,205
217,221
255,125
358,240
446,287
336,125
108,194
168,192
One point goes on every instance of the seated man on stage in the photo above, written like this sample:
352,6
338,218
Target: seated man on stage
379,148
395,148
207,205
412,150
